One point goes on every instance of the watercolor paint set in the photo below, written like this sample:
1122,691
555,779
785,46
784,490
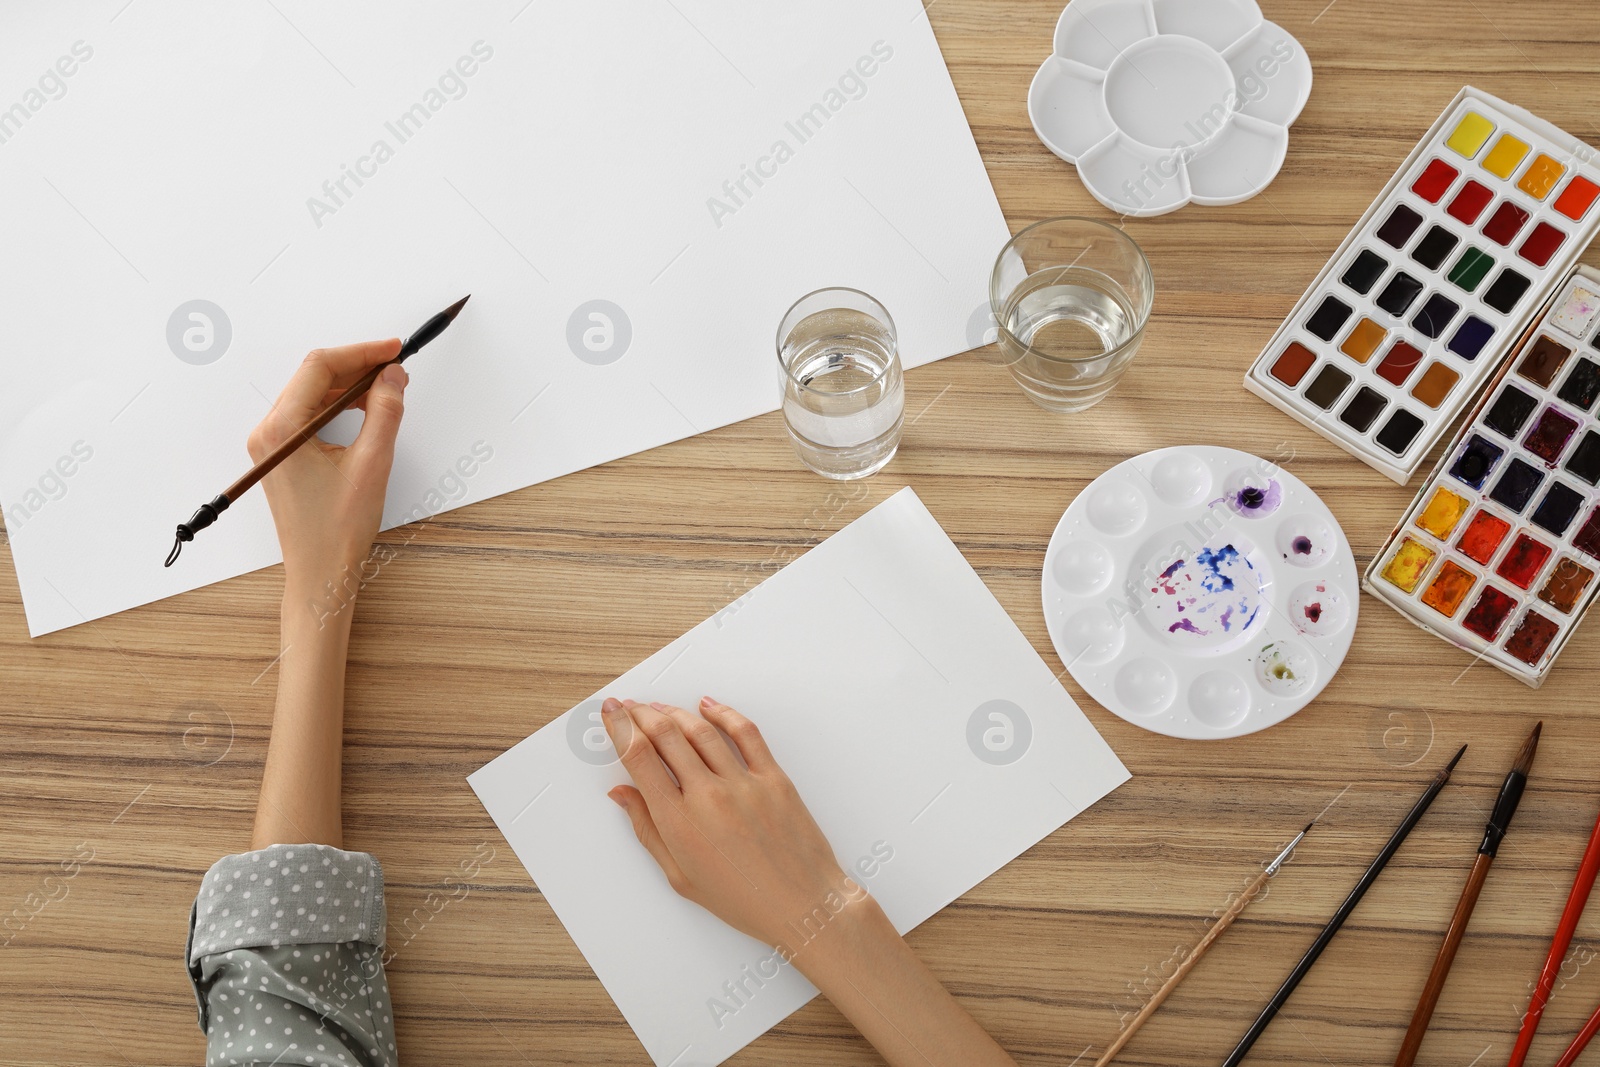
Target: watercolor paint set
1200,592
1498,552
1415,312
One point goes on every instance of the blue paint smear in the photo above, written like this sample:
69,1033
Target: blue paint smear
1213,561
1217,605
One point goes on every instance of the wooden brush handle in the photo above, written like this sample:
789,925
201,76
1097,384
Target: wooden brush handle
1441,964
305,433
1224,921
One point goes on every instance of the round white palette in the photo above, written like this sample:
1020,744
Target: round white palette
1160,103
1200,592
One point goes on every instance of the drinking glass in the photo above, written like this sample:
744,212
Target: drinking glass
1071,297
843,390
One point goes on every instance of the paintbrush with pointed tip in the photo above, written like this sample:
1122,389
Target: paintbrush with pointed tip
208,512
1364,883
1224,921
1493,833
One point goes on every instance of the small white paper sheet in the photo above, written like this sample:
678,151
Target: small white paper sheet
926,735
633,191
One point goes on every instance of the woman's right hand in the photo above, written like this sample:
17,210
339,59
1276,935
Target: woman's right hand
727,827
732,835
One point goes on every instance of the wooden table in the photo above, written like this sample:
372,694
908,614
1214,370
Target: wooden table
134,745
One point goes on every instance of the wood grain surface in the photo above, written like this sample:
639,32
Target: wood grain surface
131,747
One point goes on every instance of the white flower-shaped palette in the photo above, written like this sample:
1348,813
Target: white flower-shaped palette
1200,592
1162,102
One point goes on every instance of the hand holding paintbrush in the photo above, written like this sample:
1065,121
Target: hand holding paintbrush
307,426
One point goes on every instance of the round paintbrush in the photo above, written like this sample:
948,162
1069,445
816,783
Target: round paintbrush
208,512
1224,921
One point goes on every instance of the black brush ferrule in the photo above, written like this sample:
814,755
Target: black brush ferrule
1504,808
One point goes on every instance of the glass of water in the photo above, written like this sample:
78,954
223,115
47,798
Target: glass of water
1071,297
844,394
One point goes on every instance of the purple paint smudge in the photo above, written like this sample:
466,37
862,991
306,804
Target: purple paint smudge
1204,595
1254,500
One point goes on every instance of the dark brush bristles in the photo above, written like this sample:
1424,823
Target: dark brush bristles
1524,762
1462,751
455,309
1309,825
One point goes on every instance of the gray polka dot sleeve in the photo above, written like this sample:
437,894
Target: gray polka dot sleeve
286,956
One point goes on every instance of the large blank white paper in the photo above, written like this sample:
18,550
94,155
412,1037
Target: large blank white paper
930,741
633,191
